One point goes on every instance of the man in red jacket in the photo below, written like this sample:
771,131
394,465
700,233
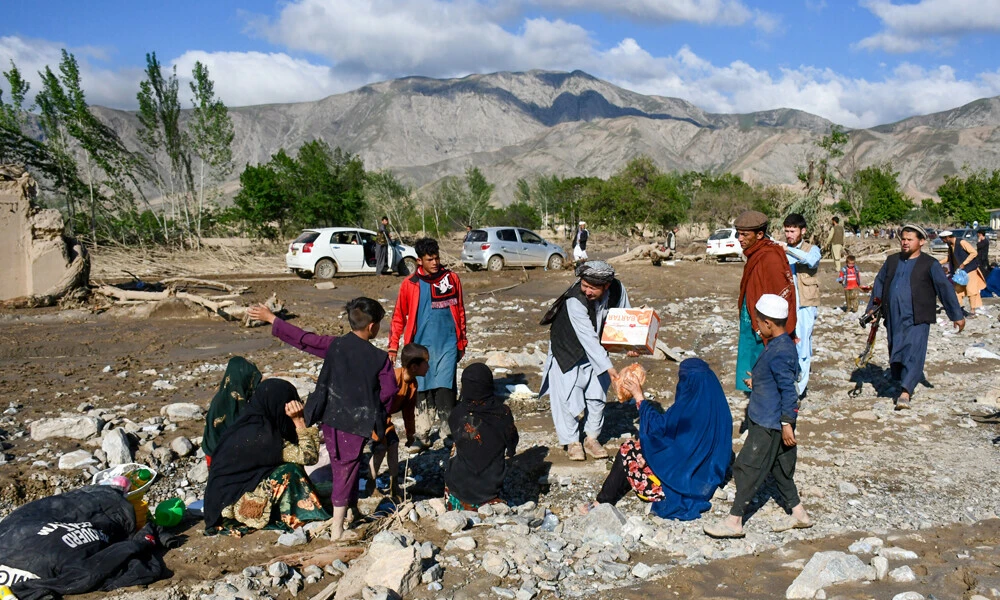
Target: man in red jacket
430,311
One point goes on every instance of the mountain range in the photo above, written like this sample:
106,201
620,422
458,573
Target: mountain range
514,125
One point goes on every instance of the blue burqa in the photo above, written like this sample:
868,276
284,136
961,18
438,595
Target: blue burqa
688,446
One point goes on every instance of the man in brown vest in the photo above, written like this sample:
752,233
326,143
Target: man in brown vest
835,241
803,258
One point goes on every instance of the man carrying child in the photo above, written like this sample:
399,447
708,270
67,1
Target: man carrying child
770,444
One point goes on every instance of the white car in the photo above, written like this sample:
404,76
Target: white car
724,244
331,250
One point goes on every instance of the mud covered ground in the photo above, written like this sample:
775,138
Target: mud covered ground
925,480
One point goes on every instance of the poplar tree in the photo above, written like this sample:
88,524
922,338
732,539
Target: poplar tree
211,134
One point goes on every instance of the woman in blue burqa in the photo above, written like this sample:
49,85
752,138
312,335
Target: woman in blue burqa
682,454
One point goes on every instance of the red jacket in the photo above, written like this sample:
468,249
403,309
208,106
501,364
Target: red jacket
404,315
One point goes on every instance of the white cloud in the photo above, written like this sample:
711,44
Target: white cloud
102,86
929,24
739,87
703,12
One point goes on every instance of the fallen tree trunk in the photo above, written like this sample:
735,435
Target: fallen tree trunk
218,285
321,557
120,294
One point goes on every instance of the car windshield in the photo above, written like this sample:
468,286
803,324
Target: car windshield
476,235
306,237
721,234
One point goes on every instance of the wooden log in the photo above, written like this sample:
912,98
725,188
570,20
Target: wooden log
320,557
328,592
120,294
203,283
210,305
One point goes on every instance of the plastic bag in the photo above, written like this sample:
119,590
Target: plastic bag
633,372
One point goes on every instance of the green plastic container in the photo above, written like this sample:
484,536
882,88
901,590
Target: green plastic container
169,512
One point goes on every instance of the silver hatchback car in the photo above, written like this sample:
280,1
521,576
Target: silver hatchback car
494,248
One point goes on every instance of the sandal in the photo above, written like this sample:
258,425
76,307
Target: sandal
789,522
721,530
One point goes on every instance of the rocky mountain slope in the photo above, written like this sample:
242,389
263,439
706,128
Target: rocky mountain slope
541,123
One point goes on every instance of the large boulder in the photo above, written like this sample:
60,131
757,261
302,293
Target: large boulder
182,411
828,568
74,428
78,459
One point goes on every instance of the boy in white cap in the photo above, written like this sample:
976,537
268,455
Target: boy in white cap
771,414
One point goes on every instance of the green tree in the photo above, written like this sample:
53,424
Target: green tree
880,200
968,199
326,187
821,176
211,135
160,132
260,203
14,115
386,195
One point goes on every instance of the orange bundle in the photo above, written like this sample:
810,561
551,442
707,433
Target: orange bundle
633,372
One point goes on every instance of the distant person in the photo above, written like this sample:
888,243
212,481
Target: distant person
468,234
850,278
963,256
672,239
577,370
804,259
835,241
770,447
485,437
256,479
907,285
766,272
430,311
682,454
983,250
382,242
580,243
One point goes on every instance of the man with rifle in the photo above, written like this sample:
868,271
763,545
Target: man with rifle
907,287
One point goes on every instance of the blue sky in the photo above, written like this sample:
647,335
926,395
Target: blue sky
856,62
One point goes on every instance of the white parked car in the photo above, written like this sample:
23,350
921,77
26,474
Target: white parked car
724,244
331,250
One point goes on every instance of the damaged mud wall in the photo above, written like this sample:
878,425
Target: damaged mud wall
40,264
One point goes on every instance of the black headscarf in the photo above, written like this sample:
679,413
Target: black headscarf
251,448
484,431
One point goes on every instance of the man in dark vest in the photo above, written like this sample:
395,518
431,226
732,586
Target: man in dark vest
580,243
907,285
578,371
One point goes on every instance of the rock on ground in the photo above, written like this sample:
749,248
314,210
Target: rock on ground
182,411
828,568
603,525
116,447
389,563
76,428
76,460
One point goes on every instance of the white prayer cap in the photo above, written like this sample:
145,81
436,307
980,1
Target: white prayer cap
773,306
583,222
946,233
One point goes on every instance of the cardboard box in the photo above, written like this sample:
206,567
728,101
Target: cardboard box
631,329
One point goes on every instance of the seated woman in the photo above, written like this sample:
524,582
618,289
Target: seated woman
256,480
484,433
682,454
236,388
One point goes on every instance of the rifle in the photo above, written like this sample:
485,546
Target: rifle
875,319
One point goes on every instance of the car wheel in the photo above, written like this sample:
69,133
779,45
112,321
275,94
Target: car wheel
303,273
495,263
722,258
325,268
409,266
555,263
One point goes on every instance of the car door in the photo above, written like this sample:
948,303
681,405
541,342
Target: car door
347,250
534,251
509,245
368,251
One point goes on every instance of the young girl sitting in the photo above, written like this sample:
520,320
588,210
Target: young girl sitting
484,433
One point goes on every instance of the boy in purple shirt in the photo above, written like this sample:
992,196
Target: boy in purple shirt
771,414
353,394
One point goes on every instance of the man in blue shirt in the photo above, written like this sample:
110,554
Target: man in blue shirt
803,258
771,415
